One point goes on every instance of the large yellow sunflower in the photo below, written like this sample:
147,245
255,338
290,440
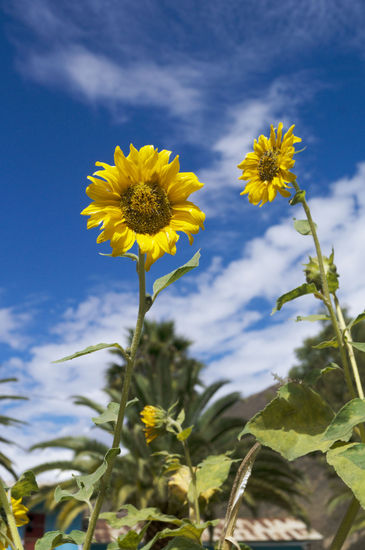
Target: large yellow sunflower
267,168
143,198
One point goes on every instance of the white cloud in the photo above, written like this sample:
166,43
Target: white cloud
11,323
217,313
99,79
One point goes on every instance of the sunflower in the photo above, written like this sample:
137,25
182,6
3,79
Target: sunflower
143,198
20,516
267,168
154,419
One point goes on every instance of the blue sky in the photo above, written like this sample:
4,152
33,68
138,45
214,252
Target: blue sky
202,79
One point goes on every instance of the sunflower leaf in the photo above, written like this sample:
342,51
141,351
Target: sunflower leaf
357,320
52,539
293,423
88,350
302,226
86,483
111,412
24,486
163,282
345,420
349,462
358,345
301,290
312,318
327,344
315,374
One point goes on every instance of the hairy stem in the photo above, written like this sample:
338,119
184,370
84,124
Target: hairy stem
15,537
193,479
350,515
123,401
327,298
350,350
345,525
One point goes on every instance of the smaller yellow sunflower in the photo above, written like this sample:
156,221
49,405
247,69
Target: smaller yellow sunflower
267,168
143,198
153,418
21,518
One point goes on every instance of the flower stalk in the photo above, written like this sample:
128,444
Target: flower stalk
123,401
346,351
16,542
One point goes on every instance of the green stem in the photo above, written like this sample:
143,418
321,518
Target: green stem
193,479
327,297
350,515
17,543
350,350
345,525
123,401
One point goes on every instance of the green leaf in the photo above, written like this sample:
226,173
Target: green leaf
86,483
345,420
358,319
315,374
130,541
182,436
349,463
305,288
211,474
56,538
180,543
24,486
188,530
327,344
302,226
358,345
133,257
111,413
293,424
88,350
134,516
163,282
298,197
180,417
312,318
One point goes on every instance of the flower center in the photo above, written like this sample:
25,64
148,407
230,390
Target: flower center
268,166
146,208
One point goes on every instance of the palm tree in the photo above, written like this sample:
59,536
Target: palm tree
165,375
8,421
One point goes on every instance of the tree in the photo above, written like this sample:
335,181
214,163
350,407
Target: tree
165,375
8,421
331,386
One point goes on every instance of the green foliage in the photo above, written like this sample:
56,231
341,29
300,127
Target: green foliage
86,351
86,483
351,414
25,486
301,290
5,462
135,516
349,462
52,539
294,423
163,282
302,226
211,474
311,359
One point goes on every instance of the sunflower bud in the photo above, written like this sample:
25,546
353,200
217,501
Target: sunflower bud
313,275
154,419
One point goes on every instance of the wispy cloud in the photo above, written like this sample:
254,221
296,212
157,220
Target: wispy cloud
98,79
12,325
